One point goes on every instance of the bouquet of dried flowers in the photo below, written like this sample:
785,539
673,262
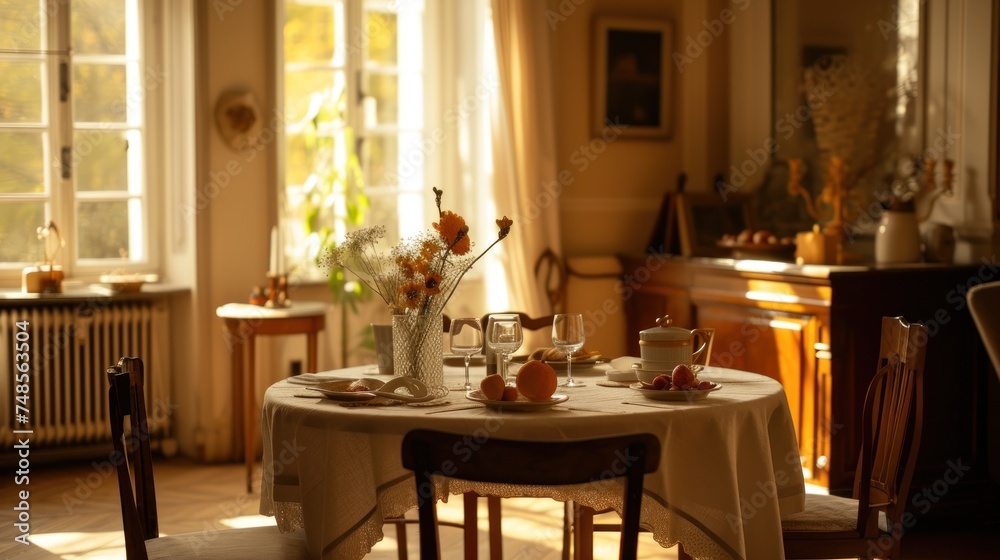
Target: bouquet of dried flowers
419,275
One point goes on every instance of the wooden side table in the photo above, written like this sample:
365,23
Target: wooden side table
243,322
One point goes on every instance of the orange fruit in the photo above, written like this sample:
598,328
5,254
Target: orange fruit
536,381
509,393
492,387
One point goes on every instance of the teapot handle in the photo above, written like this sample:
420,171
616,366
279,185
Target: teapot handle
705,335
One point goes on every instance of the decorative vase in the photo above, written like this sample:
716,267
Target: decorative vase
898,238
418,349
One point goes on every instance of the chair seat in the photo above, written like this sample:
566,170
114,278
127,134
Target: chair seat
825,513
235,544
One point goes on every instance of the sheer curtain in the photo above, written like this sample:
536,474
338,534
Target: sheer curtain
523,138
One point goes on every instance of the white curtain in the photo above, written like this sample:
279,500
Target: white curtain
524,158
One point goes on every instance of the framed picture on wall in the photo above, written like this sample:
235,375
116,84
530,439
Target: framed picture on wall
633,79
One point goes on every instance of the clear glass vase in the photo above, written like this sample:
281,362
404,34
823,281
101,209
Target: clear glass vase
418,349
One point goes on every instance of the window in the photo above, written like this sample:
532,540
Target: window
354,108
74,86
383,100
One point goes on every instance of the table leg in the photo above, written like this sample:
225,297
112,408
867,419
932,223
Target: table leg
250,405
235,344
311,353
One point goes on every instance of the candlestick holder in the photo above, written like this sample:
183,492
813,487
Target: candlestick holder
277,295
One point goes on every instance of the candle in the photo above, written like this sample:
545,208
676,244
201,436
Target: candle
280,253
273,266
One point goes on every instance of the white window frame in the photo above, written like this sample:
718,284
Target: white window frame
59,192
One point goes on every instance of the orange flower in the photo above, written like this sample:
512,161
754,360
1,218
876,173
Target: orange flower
504,226
432,284
406,266
412,294
454,231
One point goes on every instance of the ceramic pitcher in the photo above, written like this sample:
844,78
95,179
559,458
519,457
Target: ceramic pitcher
664,346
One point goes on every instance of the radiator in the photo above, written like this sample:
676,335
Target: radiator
71,347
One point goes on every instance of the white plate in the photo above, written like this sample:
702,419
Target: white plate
660,395
337,390
520,405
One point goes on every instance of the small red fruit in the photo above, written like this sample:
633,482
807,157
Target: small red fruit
705,385
682,375
509,393
661,382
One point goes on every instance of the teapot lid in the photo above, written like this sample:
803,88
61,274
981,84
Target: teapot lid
663,331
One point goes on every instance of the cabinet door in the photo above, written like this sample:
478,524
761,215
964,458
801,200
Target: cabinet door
770,343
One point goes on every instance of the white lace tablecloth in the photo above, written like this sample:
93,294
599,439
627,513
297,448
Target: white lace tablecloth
729,468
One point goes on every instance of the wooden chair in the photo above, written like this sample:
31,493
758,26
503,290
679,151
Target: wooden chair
870,524
518,462
142,539
984,304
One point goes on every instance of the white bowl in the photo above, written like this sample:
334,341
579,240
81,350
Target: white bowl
621,375
648,375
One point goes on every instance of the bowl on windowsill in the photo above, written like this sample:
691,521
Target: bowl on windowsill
127,283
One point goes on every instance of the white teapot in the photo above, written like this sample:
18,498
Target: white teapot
664,347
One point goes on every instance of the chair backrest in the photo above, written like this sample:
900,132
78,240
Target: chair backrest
527,322
428,452
892,422
984,303
127,401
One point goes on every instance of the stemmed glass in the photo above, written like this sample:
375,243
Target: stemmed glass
568,336
466,340
505,338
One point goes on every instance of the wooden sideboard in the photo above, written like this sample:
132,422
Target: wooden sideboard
816,330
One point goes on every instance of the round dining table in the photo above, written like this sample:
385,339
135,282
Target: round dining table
729,469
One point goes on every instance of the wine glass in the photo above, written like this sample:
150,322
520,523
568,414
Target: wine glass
466,340
568,336
505,338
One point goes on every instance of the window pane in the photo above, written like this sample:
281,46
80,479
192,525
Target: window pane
381,154
20,92
100,160
99,92
98,26
310,35
298,159
303,90
102,229
380,31
384,210
21,162
21,25
18,240
382,91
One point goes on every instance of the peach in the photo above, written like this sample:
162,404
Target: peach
492,387
536,381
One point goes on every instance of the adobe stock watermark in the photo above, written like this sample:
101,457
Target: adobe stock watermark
220,180
162,410
582,157
566,8
923,500
695,46
786,126
868,216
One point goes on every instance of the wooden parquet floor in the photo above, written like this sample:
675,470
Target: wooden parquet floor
75,515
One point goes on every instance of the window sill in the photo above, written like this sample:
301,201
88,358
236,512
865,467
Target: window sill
83,292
